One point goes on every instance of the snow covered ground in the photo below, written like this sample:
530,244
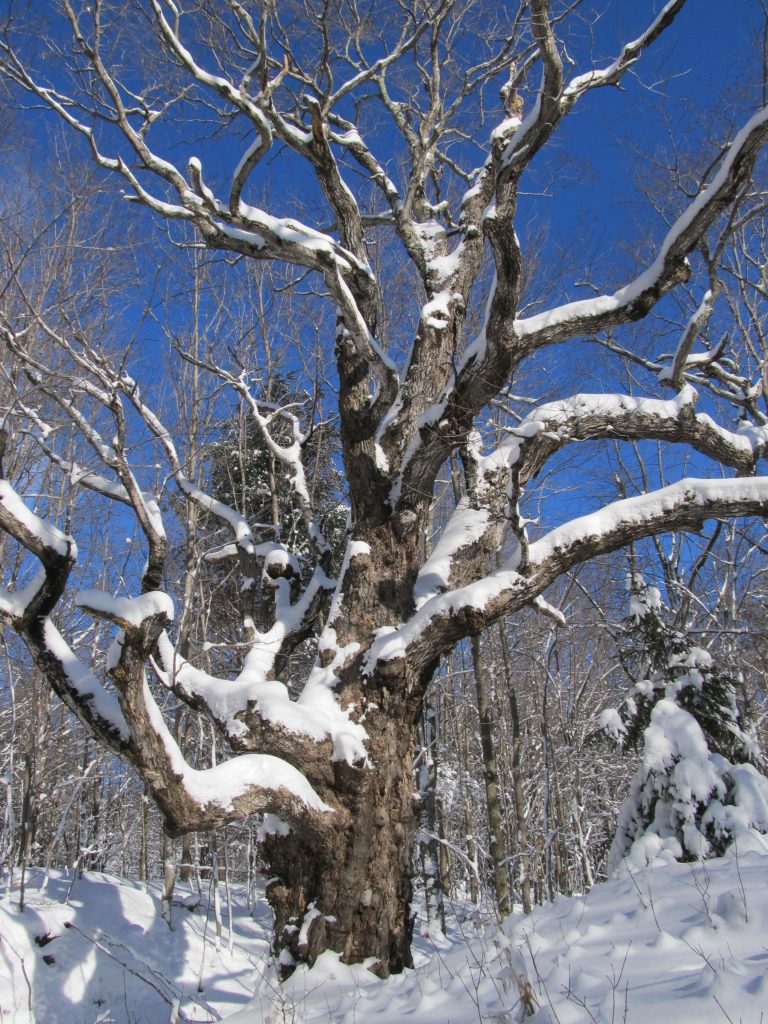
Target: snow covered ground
684,943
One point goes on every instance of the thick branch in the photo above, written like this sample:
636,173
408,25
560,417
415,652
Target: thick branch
593,417
448,617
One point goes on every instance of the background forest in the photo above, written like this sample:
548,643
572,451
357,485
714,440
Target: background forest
525,748
520,785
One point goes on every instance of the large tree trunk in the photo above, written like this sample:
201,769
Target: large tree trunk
349,889
347,886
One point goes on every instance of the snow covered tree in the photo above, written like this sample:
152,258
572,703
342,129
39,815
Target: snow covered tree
700,779
244,474
411,133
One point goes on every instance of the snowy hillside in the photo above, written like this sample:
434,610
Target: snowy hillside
683,943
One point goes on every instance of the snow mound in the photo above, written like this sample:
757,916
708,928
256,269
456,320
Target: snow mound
97,951
679,942
682,942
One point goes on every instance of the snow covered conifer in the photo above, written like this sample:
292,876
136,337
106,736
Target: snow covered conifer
700,779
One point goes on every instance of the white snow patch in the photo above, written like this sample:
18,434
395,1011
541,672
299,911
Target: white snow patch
131,610
637,949
465,527
49,536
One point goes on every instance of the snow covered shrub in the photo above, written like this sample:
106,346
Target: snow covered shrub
701,777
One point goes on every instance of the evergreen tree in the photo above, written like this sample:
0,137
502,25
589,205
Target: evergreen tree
242,473
700,779
246,476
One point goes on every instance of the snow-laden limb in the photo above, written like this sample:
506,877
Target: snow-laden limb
555,99
250,158
64,106
587,316
270,706
289,455
455,612
78,475
14,604
223,699
254,710
252,704
131,723
82,476
56,552
685,504
364,341
238,524
548,428
189,799
96,382
675,372
245,230
28,610
125,611
549,610
465,527
84,691
629,54
448,616
70,677
290,616
594,416
503,341
244,785
228,784
34,533
295,242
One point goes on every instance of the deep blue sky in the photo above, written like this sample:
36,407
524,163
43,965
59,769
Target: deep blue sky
711,45
595,208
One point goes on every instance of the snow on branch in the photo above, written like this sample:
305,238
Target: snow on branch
682,505
189,799
504,341
78,475
234,226
79,688
465,528
45,541
593,416
629,54
28,609
448,616
257,712
15,604
473,527
554,99
367,346
126,612
587,316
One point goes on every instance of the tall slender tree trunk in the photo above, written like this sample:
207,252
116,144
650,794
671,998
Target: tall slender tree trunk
498,844
144,845
429,841
169,877
518,790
